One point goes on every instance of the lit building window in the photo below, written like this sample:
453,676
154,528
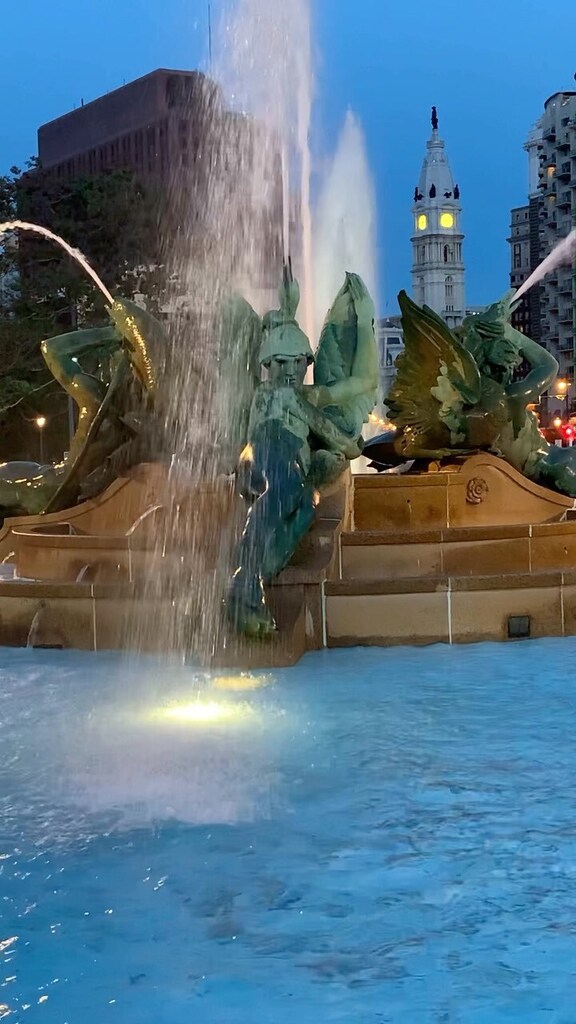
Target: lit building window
551,171
422,222
446,220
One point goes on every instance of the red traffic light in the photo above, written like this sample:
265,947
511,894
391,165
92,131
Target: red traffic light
568,432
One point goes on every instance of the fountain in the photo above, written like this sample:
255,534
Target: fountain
368,835
205,506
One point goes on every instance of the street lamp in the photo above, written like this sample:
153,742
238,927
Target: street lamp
561,392
40,422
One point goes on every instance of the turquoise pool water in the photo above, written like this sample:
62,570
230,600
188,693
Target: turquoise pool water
372,836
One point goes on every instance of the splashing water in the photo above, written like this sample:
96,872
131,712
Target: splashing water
264,62
345,222
562,253
234,213
21,225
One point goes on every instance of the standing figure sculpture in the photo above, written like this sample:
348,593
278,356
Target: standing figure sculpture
299,437
455,392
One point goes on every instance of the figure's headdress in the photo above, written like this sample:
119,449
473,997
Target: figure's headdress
281,334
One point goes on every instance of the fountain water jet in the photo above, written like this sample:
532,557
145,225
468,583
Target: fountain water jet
233,218
564,252
21,225
345,221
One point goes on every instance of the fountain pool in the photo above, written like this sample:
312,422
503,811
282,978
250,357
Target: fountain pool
392,843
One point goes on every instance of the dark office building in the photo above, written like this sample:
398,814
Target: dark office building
150,126
217,173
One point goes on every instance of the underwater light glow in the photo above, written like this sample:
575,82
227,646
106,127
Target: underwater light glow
242,681
200,712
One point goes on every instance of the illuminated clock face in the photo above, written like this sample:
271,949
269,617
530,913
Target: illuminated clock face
446,220
422,222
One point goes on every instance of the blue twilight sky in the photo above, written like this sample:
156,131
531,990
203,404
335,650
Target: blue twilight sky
488,71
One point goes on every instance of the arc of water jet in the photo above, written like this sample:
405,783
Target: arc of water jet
564,252
22,225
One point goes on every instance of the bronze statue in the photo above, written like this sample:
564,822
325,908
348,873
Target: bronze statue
299,437
284,439
456,392
113,405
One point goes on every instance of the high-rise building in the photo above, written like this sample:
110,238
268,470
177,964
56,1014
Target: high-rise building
557,206
547,312
521,268
438,276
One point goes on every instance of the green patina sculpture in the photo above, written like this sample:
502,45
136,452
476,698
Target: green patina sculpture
298,437
294,438
112,404
455,393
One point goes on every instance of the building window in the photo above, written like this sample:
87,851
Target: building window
449,288
517,258
448,254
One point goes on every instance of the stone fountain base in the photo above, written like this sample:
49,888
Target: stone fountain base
467,551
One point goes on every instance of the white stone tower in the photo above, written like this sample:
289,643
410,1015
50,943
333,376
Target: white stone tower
437,267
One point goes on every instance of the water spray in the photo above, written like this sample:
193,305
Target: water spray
21,225
564,252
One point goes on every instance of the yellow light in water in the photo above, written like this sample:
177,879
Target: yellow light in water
199,711
203,712
446,220
240,682
422,222
247,454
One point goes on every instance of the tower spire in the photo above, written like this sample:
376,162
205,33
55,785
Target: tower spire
437,266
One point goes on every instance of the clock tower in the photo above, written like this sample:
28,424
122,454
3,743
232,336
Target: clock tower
437,267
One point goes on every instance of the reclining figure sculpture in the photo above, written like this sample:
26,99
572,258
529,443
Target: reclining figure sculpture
114,406
456,392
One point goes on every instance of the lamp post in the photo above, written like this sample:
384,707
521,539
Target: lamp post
561,393
40,422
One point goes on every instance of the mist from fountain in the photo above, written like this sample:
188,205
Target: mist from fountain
345,221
